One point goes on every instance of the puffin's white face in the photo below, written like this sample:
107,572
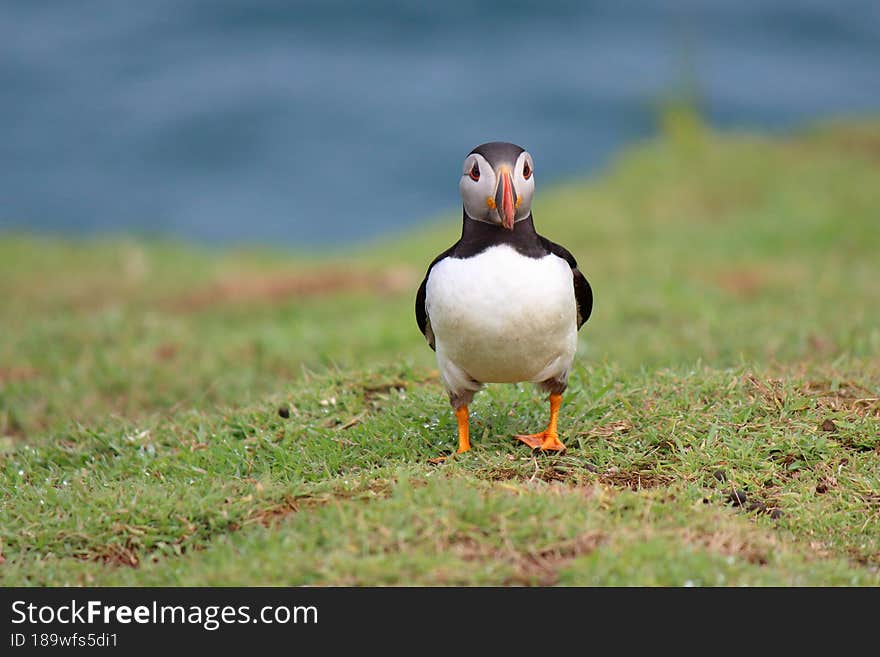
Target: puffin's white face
498,193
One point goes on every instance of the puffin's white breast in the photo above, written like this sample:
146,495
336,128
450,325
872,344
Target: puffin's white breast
502,317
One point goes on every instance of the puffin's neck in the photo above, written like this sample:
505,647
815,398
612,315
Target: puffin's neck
477,236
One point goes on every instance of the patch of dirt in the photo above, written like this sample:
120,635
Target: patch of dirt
573,471
870,559
606,430
786,460
871,498
570,474
635,479
856,139
273,514
113,555
378,393
547,468
847,397
284,286
17,374
825,484
771,391
166,351
537,567
376,390
742,283
730,544
504,474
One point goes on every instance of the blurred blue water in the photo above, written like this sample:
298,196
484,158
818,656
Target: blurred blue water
328,121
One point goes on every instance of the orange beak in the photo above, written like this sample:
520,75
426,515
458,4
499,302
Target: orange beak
505,200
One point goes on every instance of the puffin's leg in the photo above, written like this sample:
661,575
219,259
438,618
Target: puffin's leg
547,440
461,389
464,441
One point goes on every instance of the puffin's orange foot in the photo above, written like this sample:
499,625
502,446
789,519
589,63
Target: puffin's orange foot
546,441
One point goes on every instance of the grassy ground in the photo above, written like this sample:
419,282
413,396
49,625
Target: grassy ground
175,415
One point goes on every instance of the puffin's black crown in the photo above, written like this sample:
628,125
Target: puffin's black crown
498,151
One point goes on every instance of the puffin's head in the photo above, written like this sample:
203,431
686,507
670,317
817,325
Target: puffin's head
497,183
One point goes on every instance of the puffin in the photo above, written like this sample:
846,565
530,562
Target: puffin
503,304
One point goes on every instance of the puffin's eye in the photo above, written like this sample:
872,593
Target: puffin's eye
475,172
527,171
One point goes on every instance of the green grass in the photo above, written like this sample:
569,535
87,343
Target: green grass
735,345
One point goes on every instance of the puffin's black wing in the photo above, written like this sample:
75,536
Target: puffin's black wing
422,314
422,318
583,293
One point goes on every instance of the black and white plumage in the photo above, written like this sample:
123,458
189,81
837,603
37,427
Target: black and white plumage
503,304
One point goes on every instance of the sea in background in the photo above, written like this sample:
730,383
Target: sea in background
324,122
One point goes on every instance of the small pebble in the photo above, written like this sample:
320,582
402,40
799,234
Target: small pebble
737,498
284,412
